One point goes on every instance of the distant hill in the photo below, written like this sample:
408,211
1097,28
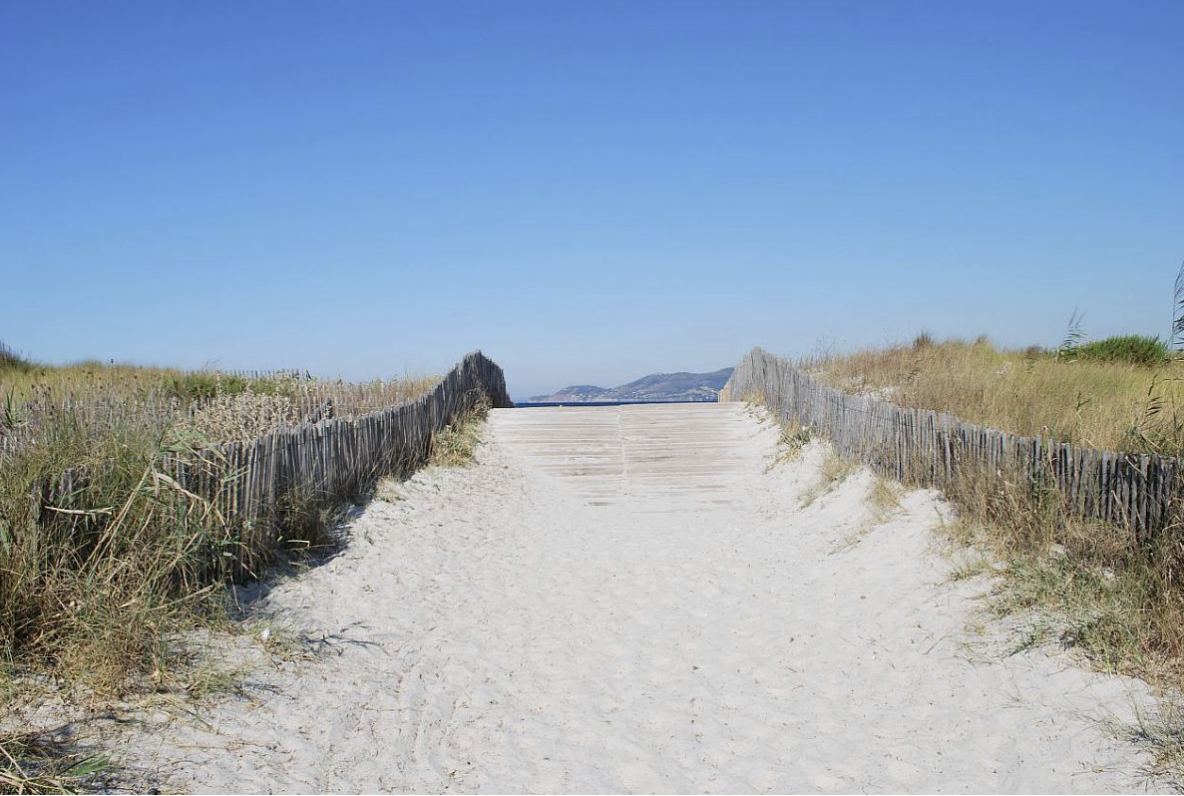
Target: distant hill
654,387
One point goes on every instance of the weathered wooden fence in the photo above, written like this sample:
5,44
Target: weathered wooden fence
23,419
333,458
1140,492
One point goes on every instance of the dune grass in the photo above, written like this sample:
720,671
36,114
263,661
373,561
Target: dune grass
1119,394
1088,586
1134,349
217,406
1094,587
93,587
1117,598
13,361
455,445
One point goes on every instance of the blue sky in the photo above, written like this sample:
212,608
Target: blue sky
586,191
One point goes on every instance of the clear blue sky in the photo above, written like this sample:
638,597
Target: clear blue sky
587,191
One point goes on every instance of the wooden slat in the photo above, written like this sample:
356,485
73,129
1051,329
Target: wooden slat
1142,492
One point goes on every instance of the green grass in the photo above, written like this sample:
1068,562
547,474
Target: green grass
1131,349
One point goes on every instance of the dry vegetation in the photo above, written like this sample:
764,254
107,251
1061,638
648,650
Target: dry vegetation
455,445
219,406
1096,587
834,471
1089,586
31,763
95,589
1069,395
1115,598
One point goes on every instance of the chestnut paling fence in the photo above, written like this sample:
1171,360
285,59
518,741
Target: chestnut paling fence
331,458
24,419
1140,492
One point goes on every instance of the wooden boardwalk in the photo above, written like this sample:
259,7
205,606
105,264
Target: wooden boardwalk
655,457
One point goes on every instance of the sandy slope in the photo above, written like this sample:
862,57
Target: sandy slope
628,601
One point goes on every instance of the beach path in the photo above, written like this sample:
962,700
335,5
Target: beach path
640,599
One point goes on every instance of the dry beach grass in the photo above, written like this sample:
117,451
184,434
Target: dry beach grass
93,595
1096,402
1095,587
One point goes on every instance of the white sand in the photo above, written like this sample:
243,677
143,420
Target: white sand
623,599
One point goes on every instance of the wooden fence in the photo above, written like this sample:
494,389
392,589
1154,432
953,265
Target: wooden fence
330,459
1139,492
24,419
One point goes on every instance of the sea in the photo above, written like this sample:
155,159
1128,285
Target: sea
532,404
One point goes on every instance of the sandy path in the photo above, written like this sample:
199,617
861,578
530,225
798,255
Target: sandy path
623,599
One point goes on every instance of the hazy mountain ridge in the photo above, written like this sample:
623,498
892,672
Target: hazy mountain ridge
680,386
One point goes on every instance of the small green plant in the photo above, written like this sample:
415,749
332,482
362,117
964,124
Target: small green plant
203,386
796,437
793,438
12,413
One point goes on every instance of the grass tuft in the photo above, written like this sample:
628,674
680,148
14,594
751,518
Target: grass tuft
92,586
455,445
794,438
885,498
31,763
832,472
1162,733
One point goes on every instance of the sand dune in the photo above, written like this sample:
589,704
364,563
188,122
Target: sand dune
630,599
